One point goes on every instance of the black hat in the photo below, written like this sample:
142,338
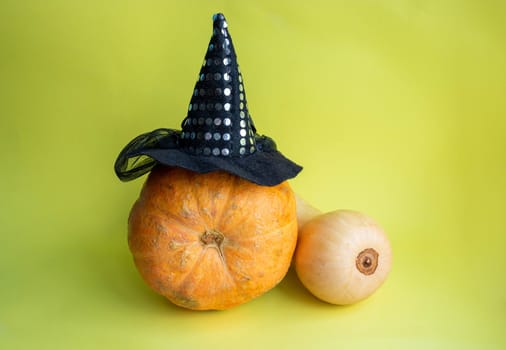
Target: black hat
217,133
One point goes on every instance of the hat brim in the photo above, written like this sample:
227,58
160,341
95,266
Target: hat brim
266,166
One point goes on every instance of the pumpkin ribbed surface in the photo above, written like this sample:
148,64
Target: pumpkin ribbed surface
211,241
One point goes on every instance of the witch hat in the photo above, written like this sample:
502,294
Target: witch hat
217,133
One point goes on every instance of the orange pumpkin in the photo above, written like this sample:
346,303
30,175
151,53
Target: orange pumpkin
211,241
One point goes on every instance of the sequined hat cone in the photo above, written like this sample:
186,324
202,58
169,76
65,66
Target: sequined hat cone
217,133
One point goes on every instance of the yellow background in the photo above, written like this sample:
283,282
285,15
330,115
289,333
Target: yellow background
395,108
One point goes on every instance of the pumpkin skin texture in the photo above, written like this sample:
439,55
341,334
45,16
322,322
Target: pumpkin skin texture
211,241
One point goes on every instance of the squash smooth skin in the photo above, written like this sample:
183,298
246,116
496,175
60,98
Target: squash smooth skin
342,257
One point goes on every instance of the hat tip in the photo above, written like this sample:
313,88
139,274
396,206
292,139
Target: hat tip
219,19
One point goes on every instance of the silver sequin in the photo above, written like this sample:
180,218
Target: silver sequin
208,136
227,121
241,105
241,96
242,142
226,92
202,77
242,150
207,151
242,114
217,121
216,151
217,136
226,107
225,151
226,61
226,76
242,132
252,149
240,78
211,47
242,123
217,76
190,107
241,88
226,137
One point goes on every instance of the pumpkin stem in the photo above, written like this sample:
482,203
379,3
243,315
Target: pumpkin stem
212,237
